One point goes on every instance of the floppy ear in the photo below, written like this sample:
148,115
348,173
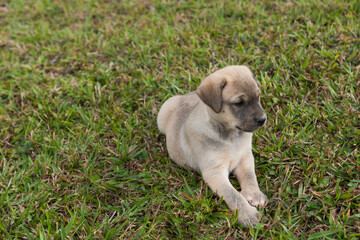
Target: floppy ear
210,92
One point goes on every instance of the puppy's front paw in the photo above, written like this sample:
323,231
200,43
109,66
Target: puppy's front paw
248,216
255,198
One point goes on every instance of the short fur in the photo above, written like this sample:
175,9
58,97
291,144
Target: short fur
210,131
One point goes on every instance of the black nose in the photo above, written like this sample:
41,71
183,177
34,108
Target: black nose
261,120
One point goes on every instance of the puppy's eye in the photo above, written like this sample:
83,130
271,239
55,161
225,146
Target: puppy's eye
239,103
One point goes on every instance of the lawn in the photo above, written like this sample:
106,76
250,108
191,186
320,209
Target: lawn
81,83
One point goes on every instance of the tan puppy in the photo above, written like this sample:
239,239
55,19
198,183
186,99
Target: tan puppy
210,131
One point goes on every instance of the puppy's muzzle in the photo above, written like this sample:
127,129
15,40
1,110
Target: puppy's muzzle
260,120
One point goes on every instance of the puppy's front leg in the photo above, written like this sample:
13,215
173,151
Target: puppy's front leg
218,181
245,173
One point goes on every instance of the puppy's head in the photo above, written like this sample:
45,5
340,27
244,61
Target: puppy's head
234,97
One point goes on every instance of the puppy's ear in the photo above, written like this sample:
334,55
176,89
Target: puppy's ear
210,91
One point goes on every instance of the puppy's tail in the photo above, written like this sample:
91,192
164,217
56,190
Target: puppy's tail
165,113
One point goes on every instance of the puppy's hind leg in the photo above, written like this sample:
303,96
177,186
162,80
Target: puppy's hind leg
166,112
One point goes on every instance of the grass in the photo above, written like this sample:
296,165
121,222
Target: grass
81,83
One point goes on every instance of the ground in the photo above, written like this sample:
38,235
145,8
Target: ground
81,83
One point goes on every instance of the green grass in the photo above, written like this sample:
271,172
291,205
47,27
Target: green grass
81,83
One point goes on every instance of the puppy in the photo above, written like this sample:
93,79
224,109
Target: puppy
211,130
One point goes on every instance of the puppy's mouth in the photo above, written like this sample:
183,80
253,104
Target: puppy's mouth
240,129
243,130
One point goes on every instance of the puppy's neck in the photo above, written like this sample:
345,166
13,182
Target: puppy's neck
221,129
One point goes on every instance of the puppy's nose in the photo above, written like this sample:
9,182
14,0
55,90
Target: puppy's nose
261,120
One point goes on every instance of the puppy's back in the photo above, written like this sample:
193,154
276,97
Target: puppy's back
174,112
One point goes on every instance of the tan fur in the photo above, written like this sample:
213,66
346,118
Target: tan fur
207,132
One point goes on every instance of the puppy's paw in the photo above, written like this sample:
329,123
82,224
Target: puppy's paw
249,216
255,198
